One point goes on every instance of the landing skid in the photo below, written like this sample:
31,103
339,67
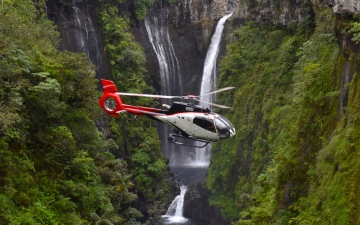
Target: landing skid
176,134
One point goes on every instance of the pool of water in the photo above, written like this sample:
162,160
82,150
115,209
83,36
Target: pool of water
188,175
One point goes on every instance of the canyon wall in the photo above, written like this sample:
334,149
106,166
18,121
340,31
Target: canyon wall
191,24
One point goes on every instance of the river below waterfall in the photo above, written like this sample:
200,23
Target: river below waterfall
192,164
173,222
188,175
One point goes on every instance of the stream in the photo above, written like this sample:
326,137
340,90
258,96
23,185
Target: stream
187,175
192,167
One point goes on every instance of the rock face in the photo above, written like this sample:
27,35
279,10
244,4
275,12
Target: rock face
190,33
197,208
279,12
190,24
79,31
343,6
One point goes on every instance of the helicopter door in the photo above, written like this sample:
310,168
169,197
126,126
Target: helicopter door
204,127
184,122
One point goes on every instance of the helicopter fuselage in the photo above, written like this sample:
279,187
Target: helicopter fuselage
196,121
193,121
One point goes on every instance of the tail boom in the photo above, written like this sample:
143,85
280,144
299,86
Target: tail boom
112,103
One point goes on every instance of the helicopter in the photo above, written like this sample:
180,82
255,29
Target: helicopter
190,121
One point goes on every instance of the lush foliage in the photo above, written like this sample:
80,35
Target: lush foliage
294,159
56,167
138,7
355,30
136,137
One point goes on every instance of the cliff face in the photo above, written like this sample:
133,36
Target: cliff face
280,12
276,12
190,24
270,187
196,206
79,31
343,6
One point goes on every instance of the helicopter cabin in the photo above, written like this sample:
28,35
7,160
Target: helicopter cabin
178,107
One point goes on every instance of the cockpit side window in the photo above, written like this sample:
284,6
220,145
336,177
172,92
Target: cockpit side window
207,124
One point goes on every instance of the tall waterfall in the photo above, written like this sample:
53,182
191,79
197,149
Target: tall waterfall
174,213
157,29
84,38
79,32
208,83
209,78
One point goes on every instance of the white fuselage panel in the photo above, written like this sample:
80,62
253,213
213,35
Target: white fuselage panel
184,122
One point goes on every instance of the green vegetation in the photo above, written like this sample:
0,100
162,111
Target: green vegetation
294,159
139,141
355,30
56,167
139,7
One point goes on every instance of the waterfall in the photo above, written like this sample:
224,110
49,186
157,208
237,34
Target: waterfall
169,69
84,38
344,94
79,32
156,23
208,83
209,78
174,213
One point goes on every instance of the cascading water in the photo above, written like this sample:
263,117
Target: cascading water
208,83
344,95
83,38
209,79
169,69
174,213
77,26
157,29
171,84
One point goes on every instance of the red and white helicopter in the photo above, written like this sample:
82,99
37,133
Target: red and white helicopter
190,121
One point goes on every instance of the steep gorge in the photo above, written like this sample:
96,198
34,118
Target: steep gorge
256,185
296,142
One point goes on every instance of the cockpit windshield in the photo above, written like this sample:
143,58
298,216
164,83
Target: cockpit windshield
216,124
223,126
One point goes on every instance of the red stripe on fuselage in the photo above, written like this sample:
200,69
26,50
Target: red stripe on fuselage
141,110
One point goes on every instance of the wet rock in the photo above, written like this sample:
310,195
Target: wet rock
197,207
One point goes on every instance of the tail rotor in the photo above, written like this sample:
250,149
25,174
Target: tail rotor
111,101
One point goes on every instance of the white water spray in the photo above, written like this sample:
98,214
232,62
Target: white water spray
83,38
208,83
174,213
209,77
160,40
156,23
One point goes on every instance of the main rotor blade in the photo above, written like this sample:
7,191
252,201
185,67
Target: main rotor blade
147,95
217,91
213,104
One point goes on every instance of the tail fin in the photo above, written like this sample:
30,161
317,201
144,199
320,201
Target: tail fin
111,102
108,86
